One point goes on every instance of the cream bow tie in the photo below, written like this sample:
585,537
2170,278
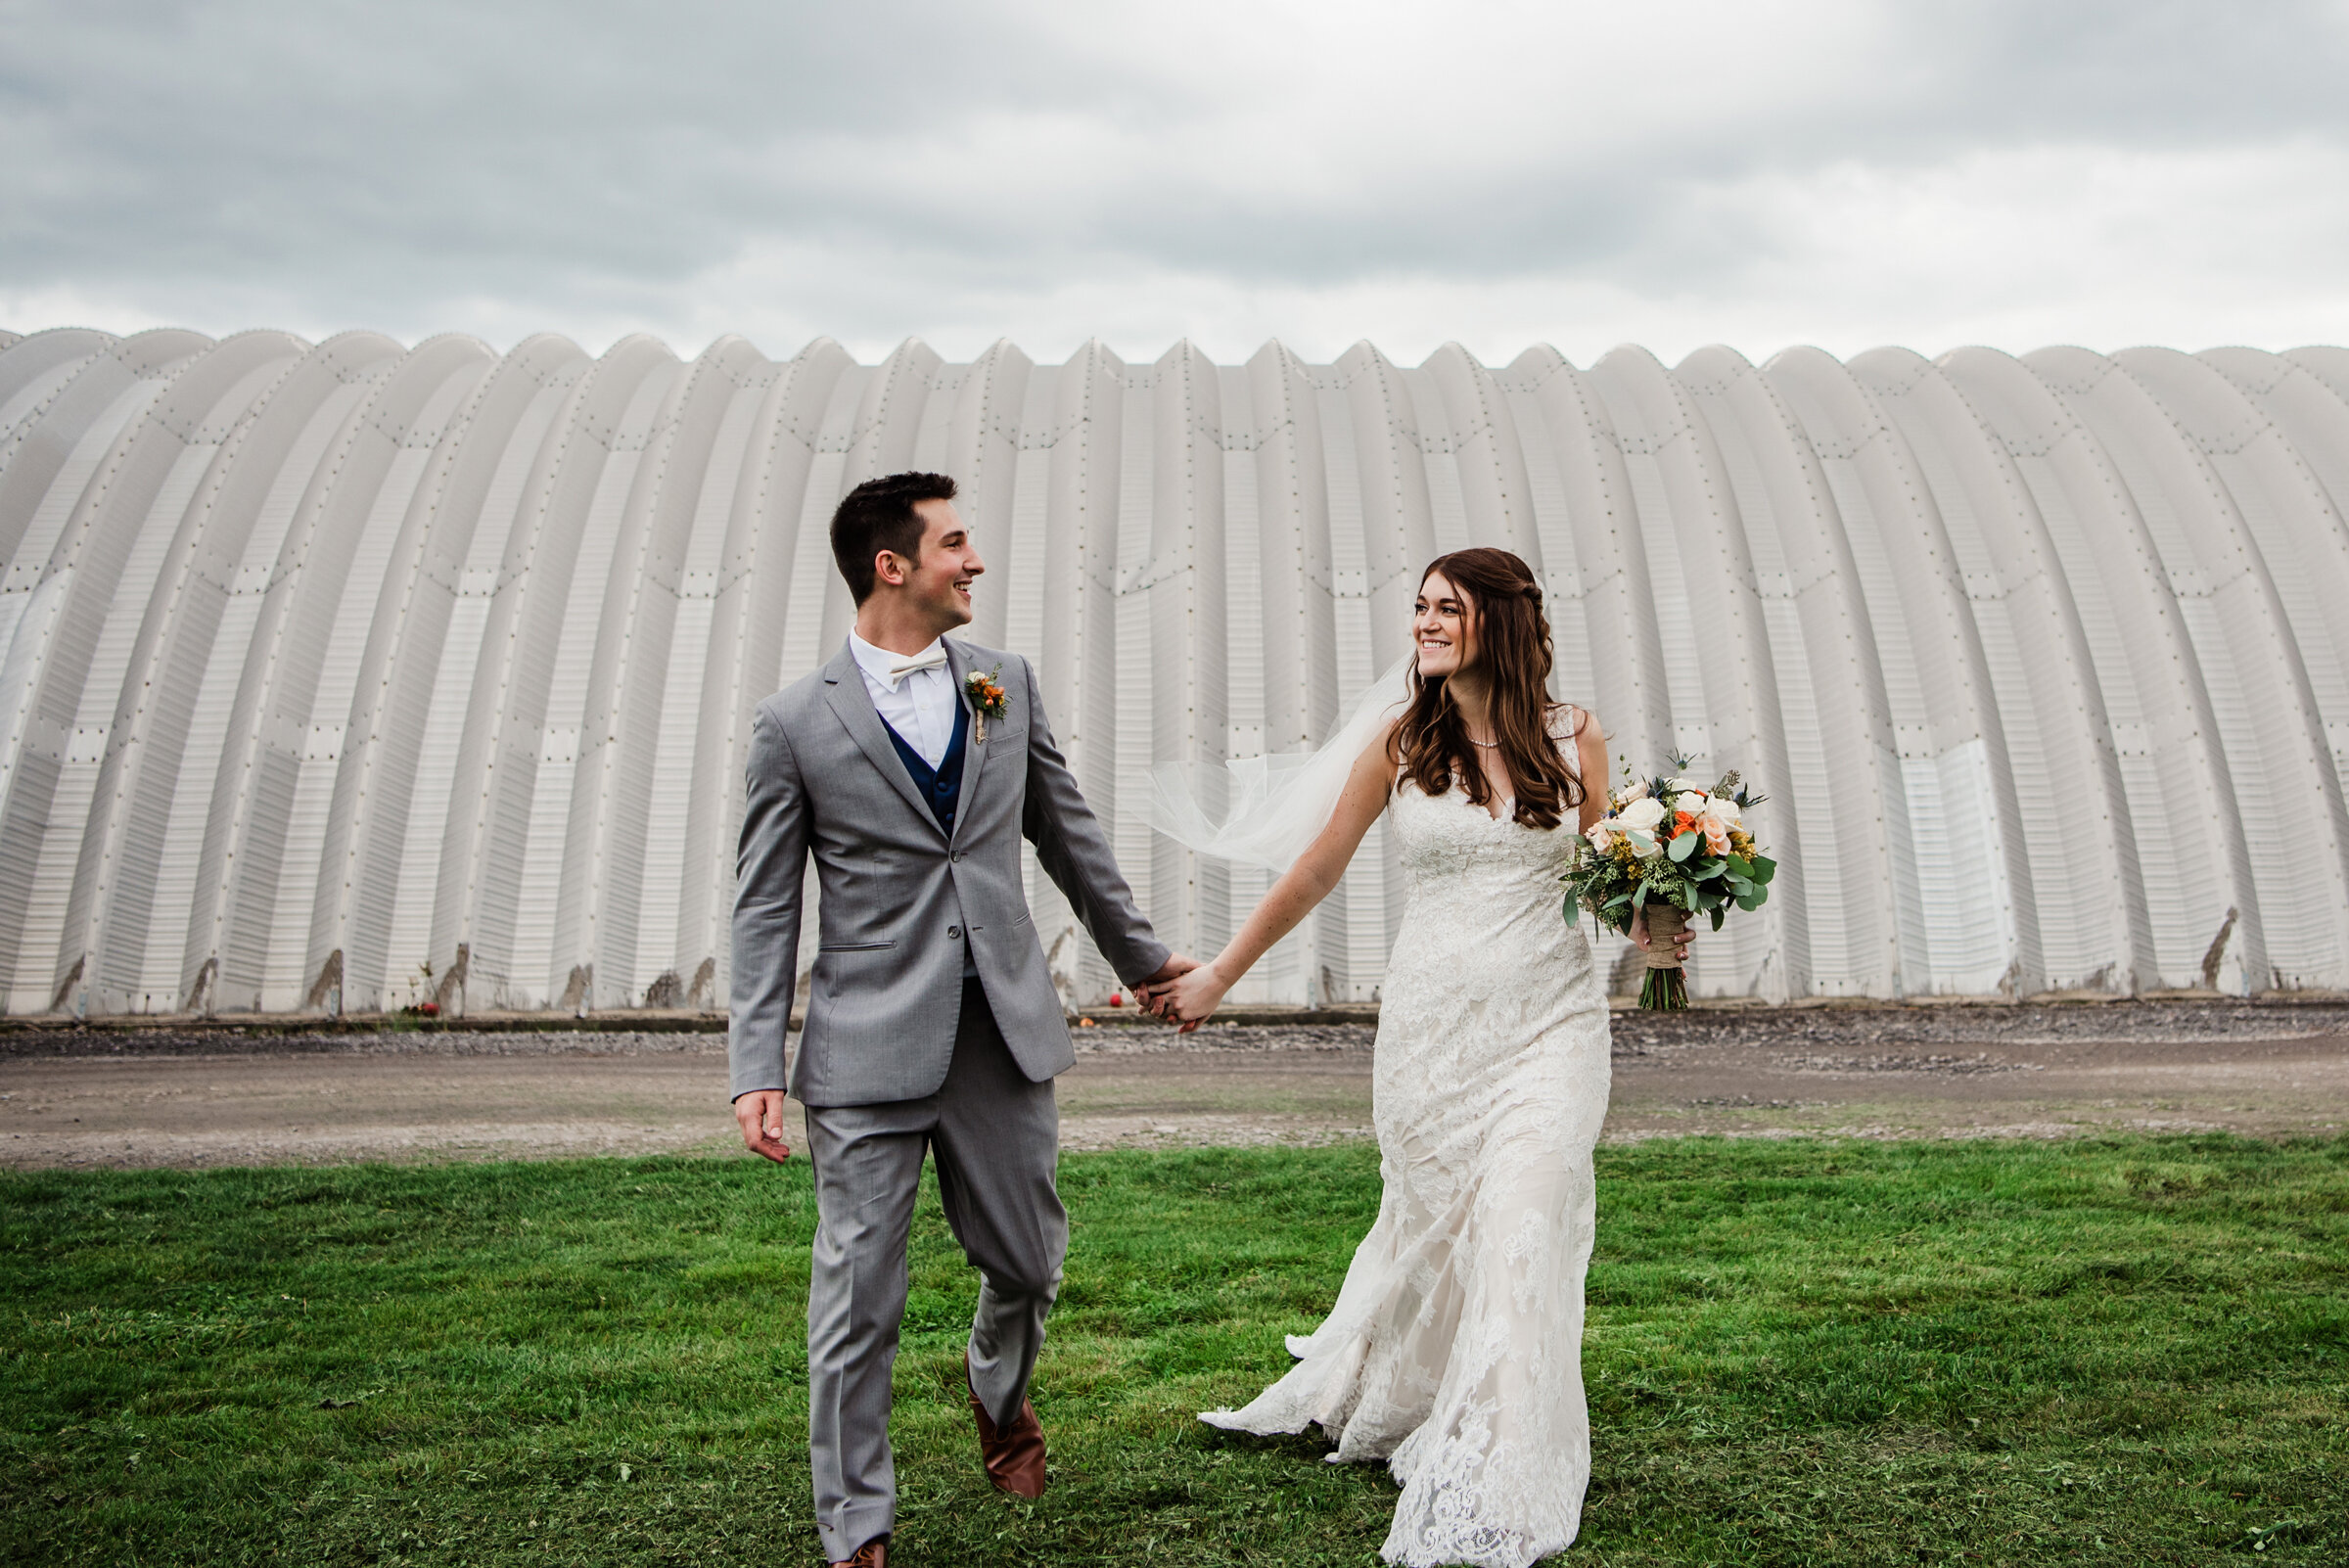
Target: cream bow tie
931,659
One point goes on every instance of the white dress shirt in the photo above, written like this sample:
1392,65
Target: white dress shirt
919,707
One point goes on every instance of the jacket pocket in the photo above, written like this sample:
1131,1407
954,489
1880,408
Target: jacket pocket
854,947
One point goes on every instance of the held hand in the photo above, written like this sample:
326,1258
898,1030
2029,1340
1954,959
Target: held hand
1189,998
1176,964
760,1113
1145,990
1639,934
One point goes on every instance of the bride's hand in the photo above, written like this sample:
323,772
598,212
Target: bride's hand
1638,935
1188,999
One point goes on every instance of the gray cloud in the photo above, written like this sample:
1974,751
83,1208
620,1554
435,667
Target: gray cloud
1946,81
605,139
397,166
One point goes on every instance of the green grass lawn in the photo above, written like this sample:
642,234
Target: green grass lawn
1802,1353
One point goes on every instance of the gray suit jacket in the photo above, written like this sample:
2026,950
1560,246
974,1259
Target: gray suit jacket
901,899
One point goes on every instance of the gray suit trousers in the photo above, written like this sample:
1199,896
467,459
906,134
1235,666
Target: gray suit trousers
996,1138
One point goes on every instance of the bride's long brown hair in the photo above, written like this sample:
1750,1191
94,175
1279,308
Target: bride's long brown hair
1431,744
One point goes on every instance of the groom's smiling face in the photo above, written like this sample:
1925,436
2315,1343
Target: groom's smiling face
937,584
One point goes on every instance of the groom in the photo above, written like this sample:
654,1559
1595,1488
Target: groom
910,769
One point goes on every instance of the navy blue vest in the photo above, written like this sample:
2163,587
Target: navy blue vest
940,786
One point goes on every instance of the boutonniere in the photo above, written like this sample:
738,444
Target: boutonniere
987,696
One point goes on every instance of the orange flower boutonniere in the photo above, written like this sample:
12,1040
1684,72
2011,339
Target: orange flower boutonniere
988,700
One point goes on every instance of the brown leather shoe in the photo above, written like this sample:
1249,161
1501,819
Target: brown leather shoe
1014,1455
874,1553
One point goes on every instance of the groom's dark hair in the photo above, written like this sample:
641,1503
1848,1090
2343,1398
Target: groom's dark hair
879,514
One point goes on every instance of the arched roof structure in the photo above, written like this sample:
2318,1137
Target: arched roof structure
323,664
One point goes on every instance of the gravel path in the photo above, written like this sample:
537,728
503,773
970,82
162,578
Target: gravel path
165,1096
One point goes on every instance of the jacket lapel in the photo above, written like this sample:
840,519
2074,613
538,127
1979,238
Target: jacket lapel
960,662
844,689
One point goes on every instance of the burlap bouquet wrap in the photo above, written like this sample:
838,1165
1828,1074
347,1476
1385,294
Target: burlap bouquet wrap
1665,923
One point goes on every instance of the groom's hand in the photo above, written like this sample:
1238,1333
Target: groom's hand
1175,966
760,1113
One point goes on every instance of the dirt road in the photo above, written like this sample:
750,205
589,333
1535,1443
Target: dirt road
163,1098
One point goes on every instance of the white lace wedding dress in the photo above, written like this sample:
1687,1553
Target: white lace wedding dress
1454,1351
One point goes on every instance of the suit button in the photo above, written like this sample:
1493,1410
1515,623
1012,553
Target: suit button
955,931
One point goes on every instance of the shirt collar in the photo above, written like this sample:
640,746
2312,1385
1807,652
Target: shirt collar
876,663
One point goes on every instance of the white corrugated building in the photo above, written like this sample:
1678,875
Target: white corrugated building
320,664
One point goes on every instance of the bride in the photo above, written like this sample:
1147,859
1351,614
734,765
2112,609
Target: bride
1455,1350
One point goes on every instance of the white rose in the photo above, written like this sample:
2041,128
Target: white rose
1692,801
1722,807
1641,815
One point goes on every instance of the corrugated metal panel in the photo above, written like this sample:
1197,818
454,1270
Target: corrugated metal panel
2077,627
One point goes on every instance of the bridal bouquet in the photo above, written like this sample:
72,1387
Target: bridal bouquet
1675,848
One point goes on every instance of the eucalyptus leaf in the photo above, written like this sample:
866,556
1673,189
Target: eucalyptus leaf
1683,846
1764,869
1719,915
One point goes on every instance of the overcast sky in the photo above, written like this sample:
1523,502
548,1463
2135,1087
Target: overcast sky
2105,172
